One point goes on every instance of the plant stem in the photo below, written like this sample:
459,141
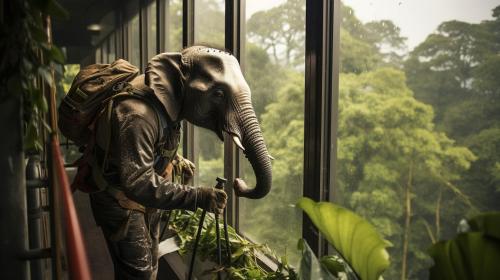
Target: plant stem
438,214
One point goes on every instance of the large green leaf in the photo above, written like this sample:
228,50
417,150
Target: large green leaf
488,223
471,255
352,236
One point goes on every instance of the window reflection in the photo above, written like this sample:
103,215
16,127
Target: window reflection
274,69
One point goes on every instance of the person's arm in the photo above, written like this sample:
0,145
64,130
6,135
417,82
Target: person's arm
137,135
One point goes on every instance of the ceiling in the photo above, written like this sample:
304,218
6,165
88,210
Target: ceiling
72,33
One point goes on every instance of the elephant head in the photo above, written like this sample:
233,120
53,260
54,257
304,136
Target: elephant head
206,87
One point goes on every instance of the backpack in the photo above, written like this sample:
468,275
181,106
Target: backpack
92,87
91,94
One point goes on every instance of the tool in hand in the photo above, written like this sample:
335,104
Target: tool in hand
220,185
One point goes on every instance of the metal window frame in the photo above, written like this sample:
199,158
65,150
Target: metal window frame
321,99
143,34
190,135
234,31
161,28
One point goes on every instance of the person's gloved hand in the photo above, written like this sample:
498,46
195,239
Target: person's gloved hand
212,199
183,169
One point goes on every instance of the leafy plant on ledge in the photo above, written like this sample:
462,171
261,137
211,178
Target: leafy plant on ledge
245,254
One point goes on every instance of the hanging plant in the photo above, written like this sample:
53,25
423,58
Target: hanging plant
27,60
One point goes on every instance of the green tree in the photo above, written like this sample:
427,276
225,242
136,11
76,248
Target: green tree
283,129
209,22
456,70
281,27
390,156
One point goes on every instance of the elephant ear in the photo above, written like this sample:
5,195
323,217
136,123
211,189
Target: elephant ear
164,75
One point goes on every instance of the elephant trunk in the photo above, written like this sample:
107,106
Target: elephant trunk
255,151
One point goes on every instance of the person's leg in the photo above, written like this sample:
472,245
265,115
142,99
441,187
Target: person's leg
153,220
135,258
128,238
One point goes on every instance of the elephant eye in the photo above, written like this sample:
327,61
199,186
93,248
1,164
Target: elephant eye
219,93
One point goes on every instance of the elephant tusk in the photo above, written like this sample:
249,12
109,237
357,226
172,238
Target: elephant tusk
270,157
237,141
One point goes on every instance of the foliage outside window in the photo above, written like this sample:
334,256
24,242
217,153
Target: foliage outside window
418,136
173,25
274,68
209,29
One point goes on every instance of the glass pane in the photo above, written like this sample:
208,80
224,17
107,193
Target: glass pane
418,136
274,69
209,28
112,48
151,30
133,41
98,55
209,22
104,48
173,25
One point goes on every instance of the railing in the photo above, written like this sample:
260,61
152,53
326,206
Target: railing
75,247
65,224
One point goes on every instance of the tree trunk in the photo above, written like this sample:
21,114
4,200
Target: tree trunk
406,237
438,214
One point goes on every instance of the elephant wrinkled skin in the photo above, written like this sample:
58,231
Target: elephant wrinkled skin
209,90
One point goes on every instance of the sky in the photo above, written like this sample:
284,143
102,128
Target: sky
419,18
416,18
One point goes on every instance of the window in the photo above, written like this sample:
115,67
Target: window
209,22
97,54
134,41
151,30
111,48
209,29
104,49
274,69
173,25
418,137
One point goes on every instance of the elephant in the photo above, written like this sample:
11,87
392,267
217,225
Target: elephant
206,87
202,85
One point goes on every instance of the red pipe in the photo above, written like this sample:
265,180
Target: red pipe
77,256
